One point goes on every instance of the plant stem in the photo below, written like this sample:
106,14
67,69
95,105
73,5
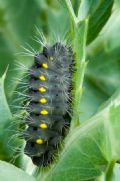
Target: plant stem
71,11
109,172
79,46
79,36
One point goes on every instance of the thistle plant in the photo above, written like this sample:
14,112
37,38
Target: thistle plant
91,150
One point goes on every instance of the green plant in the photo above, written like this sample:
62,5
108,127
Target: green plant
92,148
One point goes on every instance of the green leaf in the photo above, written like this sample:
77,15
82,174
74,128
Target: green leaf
98,19
10,172
116,173
103,55
111,37
88,8
7,128
90,149
98,89
98,13
4,121
118,3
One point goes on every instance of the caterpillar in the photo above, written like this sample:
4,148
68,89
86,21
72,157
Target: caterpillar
49,105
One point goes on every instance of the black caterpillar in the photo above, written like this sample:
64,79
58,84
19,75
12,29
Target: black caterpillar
49,91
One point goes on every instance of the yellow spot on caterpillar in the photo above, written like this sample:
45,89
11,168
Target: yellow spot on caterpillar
45,65
44,112
43,126
42,89
43,100
42,77
51,58
39,141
